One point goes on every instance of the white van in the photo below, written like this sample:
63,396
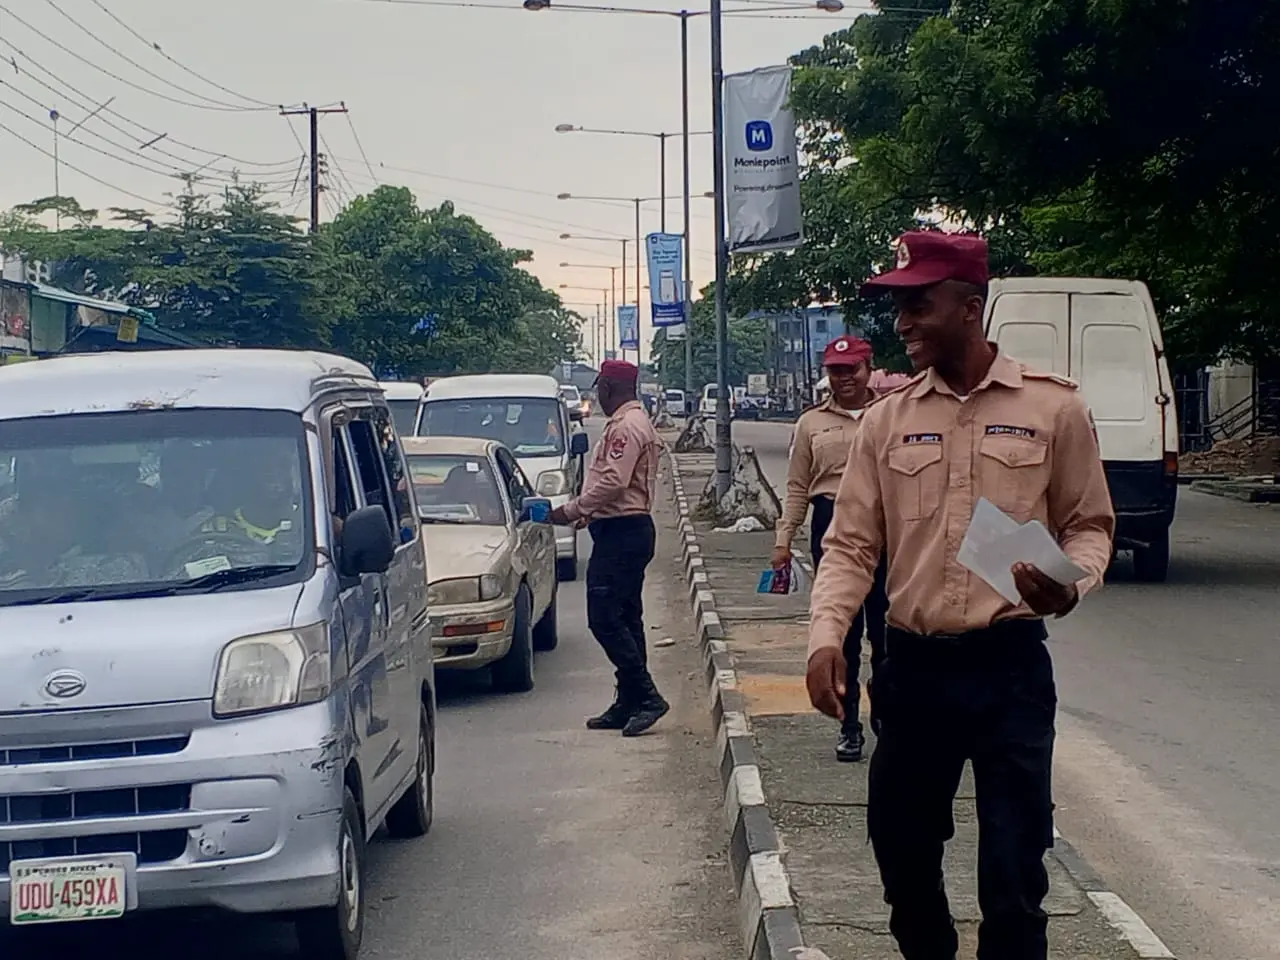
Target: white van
403,397
1105,335
707,405
525,413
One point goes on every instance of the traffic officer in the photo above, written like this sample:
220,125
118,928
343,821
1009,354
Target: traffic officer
966,675
615,502
819,451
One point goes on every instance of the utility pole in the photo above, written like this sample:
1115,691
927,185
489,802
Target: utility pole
689,385
313,113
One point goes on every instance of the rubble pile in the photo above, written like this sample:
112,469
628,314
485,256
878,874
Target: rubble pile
1241,457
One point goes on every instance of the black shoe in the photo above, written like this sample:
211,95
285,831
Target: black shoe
649,711
614,718
849,749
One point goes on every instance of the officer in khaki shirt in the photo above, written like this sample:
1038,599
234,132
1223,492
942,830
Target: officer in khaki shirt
967,675
819,452
616,504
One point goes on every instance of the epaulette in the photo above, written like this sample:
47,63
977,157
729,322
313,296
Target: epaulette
1052,377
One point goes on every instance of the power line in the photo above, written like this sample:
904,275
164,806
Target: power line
129,83
86,99
360,146
151,73
83,173
177,63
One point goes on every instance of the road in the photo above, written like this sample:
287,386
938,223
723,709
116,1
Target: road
550,842
1168,759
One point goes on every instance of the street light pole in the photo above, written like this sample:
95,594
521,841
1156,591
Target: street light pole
638,249
688,250
662,182
724,436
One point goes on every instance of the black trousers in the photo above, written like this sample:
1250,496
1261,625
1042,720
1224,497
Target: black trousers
621,550
871,618
987,697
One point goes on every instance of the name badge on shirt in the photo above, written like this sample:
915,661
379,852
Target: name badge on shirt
1005,430
922,438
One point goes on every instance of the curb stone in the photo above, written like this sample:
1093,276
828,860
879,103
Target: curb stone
768,914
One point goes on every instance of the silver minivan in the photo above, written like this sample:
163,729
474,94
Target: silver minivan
215,671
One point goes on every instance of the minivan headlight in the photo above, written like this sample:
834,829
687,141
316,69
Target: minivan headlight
270,671
552,483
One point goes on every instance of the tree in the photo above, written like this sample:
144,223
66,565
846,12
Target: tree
750,347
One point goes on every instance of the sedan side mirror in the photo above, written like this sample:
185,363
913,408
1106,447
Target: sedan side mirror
535,510
367,544
579,444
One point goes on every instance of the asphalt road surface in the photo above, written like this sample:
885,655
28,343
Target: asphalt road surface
550,842
1168,758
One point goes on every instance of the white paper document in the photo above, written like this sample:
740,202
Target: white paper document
995,542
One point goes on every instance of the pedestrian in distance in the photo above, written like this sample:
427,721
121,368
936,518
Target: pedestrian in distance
966,674
819,450
616,504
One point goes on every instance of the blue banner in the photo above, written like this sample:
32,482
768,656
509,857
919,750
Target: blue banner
666,278
628,327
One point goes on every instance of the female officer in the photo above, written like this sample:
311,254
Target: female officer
823,437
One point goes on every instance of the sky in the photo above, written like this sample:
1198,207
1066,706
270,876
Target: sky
458,101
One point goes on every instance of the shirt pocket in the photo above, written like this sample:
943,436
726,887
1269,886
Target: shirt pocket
830,452
914,488
1014,472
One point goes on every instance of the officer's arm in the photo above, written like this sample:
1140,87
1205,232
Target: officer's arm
851,549
799,472
612,472
1080,511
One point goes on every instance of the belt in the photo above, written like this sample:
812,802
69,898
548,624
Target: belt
1001,641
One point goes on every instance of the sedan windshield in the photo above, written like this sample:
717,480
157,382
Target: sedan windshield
109,505
529,427
456,489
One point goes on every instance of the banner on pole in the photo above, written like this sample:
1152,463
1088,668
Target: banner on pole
762,175
666,280
676,331
628,327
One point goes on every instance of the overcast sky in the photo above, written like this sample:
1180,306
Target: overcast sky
465,96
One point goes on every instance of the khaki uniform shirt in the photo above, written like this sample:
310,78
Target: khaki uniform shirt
623,470
922,458
819,451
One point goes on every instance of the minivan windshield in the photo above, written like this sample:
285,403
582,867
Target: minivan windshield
404,413
101,506
529,426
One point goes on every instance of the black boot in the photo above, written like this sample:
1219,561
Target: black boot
650,708
849,749
617,714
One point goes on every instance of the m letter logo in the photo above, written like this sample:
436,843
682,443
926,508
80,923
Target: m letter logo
759,135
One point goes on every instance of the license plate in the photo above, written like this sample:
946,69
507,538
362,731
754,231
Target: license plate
65,890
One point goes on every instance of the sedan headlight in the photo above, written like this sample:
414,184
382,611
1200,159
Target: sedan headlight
447,593
270,671
552,483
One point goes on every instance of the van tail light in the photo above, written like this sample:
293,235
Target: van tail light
1171,464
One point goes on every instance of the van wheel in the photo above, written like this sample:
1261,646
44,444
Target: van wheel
1151,564
514,672
546,635
335,933
411,817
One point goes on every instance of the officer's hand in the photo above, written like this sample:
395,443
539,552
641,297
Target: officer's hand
825,679
1043,594
780,558
559,516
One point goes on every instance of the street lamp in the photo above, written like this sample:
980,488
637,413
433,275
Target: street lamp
723,436
661,137
624,241
613,273
601,307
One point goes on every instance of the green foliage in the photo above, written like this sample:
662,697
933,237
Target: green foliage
750,348
1118,138
236,271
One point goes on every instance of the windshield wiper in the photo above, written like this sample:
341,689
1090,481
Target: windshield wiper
450,520
235,575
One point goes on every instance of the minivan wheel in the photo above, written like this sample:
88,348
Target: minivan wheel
514,672
335,933
411,816
546,635
1151,564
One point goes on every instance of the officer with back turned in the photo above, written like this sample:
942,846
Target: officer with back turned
966,674
616,501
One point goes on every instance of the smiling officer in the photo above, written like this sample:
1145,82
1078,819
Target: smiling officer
967,675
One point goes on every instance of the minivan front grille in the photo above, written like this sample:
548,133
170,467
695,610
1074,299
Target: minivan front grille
153,846
120,749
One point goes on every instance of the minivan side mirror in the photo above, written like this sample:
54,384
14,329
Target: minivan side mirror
367,544
579,444
575,415
535,510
